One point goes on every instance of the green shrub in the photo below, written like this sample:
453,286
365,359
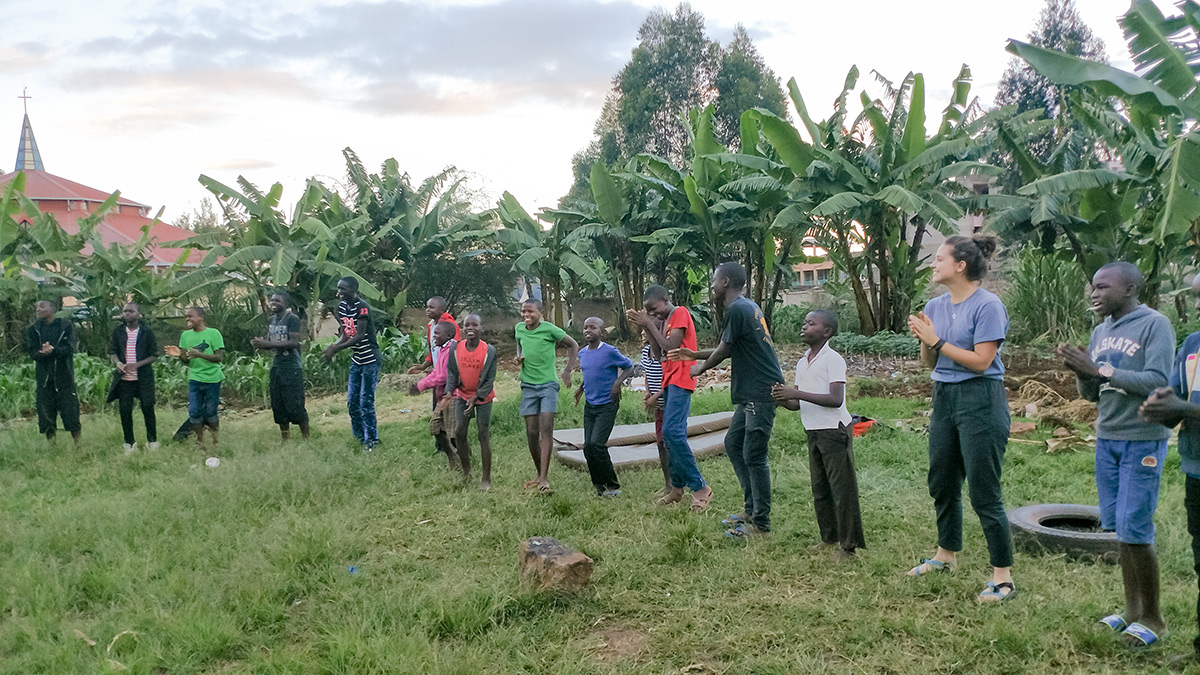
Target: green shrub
883,343
1045,299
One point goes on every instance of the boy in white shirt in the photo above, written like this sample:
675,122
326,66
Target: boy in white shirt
820,396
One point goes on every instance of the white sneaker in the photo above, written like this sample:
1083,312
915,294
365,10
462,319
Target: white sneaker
153,446
130,448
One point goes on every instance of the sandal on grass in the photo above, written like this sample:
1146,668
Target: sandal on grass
700,501
672,497
1114,622
930,566
1142,636
996,592
735,519
745,531
545,489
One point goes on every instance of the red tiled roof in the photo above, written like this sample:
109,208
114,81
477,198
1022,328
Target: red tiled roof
43,186
123,224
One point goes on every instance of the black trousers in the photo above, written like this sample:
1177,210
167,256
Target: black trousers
1191,502
968,434
835,487
127,391
597,426
54,402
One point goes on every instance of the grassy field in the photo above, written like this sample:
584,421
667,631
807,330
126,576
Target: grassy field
169,566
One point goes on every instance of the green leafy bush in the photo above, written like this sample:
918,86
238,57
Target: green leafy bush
883,343
1045,299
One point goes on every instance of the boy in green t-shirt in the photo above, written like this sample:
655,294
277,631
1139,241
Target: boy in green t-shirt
536,340
201,349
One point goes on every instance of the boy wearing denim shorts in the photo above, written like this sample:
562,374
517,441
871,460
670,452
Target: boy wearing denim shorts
536,341
1128,358
202,349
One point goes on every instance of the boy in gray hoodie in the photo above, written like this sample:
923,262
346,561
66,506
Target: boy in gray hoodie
1128,357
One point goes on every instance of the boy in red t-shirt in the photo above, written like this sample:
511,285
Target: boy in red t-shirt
677,387
470,376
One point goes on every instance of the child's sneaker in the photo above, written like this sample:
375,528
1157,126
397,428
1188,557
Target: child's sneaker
152,446
130,448
610,493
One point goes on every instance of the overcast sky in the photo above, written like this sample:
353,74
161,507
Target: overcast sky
143,96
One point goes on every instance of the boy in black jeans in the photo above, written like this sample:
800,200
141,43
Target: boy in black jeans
604,369
133,349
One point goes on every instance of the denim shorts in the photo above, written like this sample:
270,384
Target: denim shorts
1127,478
539,398
203,398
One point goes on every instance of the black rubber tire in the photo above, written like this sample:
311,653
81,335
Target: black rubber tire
1030,534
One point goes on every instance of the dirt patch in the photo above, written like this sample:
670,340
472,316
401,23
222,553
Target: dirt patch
614,644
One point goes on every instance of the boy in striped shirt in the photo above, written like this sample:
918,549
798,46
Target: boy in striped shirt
653,400
356,331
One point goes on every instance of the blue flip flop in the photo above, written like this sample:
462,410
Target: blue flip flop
1116,622
991,592
1144,635
934,566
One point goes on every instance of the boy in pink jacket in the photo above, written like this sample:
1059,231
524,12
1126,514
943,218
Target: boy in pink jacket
442,422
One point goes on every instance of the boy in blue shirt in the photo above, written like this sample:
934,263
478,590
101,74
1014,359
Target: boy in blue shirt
604,369
1180,402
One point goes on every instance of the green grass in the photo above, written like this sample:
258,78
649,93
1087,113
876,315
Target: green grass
243,568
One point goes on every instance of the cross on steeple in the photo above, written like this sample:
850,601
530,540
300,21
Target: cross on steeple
25,95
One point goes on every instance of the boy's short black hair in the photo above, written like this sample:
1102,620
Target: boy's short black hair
535,302
446,327
656,292
828,318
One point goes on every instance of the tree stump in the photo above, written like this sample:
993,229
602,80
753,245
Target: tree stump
546,564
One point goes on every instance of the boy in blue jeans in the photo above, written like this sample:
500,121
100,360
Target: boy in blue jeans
1127,359
604,370
202,349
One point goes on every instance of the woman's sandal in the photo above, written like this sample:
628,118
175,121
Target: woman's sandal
992,591
931,566
1114,622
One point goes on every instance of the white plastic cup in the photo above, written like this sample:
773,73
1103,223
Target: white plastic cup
212,462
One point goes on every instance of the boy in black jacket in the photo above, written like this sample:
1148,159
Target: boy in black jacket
51,344
133,349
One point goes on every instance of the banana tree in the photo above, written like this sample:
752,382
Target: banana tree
551,254
1153,202
882,183
257,246
411,224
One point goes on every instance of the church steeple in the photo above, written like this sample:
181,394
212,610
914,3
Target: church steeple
28,156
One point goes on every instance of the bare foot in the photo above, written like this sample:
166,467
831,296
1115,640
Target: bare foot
529,484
